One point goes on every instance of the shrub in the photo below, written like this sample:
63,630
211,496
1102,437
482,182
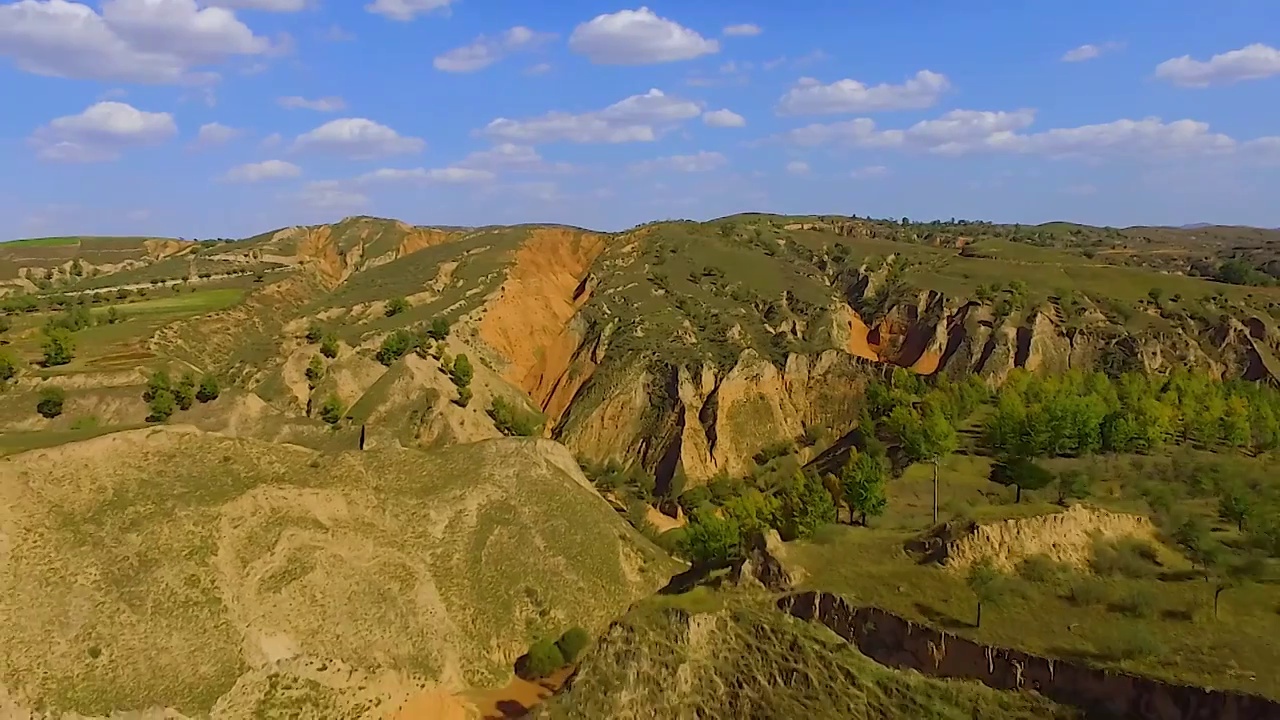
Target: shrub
1041,568
208,390
184,393
162,405
329,346
395,306
462,372
544,658
315,333
438,329
572,643
464,397
315,371
51,401
331,411
8,367
1130,558
711,540
58,347
511,419
395,346
774,451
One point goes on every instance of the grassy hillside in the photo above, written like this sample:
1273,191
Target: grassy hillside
440,567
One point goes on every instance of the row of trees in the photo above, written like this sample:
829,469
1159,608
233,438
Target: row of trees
164,396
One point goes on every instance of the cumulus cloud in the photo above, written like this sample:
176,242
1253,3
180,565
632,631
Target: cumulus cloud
146,41
100,133
965,131
511,157
330,195
723,119
743,30
447,175
280,6
1252,62
638,37
639,118
797,167
265,170
211,134
406,10
485,50
358,139
331,103
1089,52
810,97
700,162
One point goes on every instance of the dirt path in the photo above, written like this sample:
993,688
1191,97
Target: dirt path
519,696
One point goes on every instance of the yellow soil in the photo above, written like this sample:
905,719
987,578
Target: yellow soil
1067,537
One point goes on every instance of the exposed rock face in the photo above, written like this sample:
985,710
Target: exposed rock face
900,643
766,564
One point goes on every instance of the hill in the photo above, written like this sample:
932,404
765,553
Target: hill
174,568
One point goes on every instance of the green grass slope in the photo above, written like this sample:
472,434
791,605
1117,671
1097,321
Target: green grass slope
160,567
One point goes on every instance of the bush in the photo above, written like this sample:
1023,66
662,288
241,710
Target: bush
208,390
315,333
1130,558
58,347
462,372
711,540
331,411
572,643
184,393
544,658
162,406
51,401
329,346
395,346
315,371
464,397
774,451
8,367
395,306
438,329
511,419
1041,568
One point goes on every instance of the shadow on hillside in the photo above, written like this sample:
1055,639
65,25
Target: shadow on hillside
709,575
941,619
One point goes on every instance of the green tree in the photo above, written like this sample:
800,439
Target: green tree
929,439
5,325
711,540
395,346
329,346
462,372
162,405
315,371
315,332
395,306
1235,506
1022,473
863,481
1073,485
114,316
332,410
805,506
184,393
51,400
8,366
986,583
59,347
573,642
438,329
158,382
544,658
1237,430
464,397
1155,294
208,390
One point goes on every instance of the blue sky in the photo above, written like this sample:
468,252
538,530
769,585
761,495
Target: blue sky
202,118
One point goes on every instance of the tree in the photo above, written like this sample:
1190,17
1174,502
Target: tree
329,346
573,642
5,325
1073,485
184,393
395,306
462,372
8,367
928,439
114,316
806,506
331,411
162,405
711,540
51,400
1022,473
863,482
985,582
1230,574
1237,430
315,332
438,329
464,397
208,390
59,347
315,371
158,382
1155,294
1235,506
395,346
544,658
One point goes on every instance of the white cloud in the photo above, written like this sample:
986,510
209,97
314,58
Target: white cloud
723,119
211,134
700,162
638,37
742,30
448,175
797,167
406,10
538,69
639,118
869,171
810,97
325,104
265,170
280,6
1089,52
330,195
963,131
485,51
101,133
146,41
1252,62
509,156
357,138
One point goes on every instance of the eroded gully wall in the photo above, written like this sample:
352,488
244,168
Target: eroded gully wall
900,643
